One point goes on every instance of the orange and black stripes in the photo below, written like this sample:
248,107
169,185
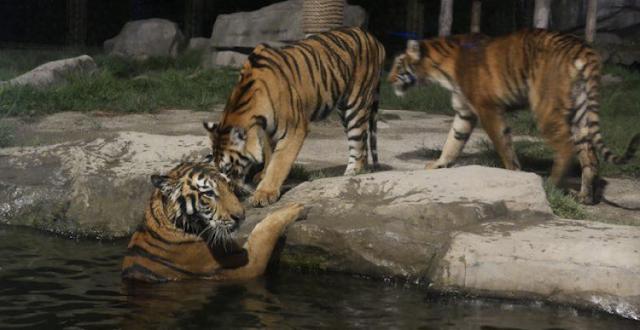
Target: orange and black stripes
281,90
556,75
187,220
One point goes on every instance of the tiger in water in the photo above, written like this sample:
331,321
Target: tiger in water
556,75
186,232
280,90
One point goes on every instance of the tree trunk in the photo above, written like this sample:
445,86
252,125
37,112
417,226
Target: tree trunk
592,15
446,17
76,22
415,18
541,14
476,13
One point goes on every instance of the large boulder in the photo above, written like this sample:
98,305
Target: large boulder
55,73
277,23
91,187
471,230
147,38
613,15
395,223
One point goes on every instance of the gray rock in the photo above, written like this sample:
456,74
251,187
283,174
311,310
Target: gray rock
582,263
473,230
279,22
55,73
226,58
395,223
613,15
603,38
93,187
625,56
147,38
198,44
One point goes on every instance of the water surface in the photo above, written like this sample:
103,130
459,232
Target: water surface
50,282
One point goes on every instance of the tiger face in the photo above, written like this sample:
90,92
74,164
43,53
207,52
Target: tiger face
418,65
199,200
402,75
234,151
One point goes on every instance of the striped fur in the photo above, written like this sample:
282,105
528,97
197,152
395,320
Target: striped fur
556,75
187,226
267,116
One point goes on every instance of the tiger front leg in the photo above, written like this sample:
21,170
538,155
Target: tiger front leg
261,242
285,153
267,151
463,124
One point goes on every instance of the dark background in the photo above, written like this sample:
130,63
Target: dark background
29,23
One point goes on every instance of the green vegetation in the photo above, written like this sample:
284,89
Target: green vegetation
120,86
430,98
6,135
564,205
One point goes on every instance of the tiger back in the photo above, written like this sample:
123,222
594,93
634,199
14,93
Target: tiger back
556,75
280,91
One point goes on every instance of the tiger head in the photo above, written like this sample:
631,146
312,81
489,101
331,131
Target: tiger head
199,200
234,150
425,60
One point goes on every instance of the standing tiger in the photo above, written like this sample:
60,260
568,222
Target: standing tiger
557,75
279,91
187,228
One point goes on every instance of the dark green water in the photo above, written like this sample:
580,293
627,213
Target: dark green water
47,282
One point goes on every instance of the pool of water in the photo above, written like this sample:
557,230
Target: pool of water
50,282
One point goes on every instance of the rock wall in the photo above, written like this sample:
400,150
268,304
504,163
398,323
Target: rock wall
277,23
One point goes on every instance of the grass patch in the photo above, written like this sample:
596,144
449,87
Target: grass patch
125,86
6,135
298,173
429,98
563,205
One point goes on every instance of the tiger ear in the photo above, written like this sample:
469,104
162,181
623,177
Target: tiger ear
210,126
238,136
162,182
413,49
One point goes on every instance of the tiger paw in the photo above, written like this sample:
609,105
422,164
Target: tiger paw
582,198
433,165
263,197
585,199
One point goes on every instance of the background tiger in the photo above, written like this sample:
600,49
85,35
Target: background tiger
556,75
280,90
187,226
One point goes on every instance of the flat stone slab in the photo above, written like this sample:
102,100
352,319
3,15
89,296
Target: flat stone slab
577,262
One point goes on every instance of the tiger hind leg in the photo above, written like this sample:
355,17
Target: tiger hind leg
500,134
356,123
